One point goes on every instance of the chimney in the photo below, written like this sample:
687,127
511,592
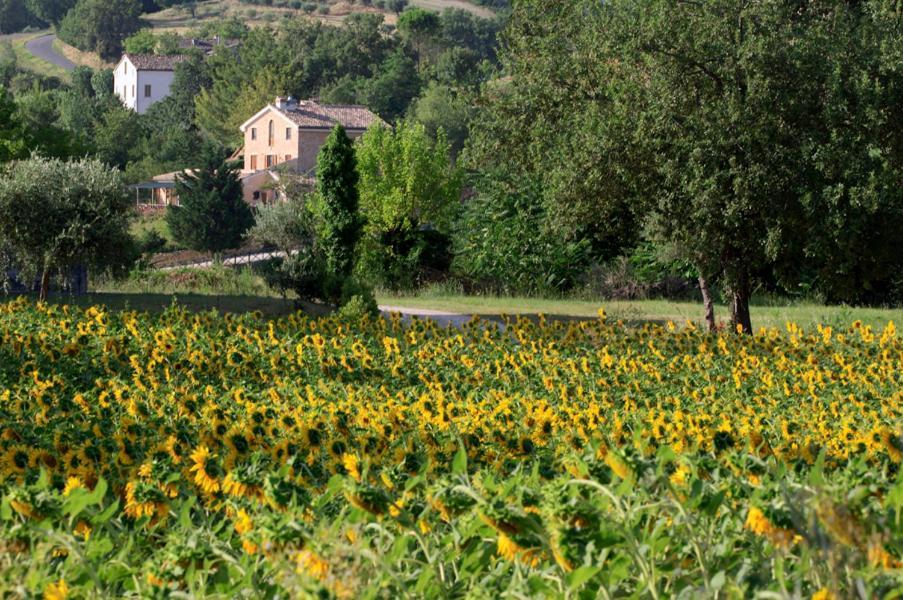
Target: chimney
286,103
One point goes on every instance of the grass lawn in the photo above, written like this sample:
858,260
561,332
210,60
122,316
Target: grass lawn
143,224
807,315
29,62
80,57
239,290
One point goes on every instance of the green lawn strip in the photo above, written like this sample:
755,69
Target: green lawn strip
28,61
144,224
807,315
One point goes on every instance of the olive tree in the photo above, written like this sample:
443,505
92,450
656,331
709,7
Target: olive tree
56,214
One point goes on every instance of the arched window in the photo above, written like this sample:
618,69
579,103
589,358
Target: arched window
272,132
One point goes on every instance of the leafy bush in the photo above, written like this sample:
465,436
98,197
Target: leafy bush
502,240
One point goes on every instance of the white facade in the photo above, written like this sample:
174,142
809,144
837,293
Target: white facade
138,88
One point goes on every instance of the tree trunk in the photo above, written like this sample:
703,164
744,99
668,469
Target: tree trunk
740,304
707,303
45,285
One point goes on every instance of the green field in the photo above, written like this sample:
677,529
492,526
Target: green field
232,290
643,310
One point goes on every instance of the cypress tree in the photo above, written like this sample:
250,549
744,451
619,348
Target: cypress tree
337,179
212,215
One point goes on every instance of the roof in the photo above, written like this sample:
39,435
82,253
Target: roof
155,62
310,114
313,114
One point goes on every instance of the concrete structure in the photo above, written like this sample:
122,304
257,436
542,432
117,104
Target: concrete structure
292,132
142,79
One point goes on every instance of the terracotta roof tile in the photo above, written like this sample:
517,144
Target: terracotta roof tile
154,62
316,115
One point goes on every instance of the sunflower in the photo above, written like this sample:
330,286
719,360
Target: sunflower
72,484
513,552
312,565
17,459
205,470
56,591
893,444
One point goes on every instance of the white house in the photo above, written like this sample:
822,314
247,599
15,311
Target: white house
142,79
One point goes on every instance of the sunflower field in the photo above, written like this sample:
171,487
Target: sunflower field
202,455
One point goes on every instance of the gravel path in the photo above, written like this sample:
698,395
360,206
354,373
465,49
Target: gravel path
42,47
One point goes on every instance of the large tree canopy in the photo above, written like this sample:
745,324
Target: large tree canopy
56,214
748,135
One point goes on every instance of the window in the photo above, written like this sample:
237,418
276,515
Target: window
253,133
253,162
271,160
288,157
257,195
133,90
271,132
147,91
288,133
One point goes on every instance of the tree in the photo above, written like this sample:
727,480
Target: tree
737,117
542,122
390,92
102,82
51,11
38,113
56,214
101,25
406,178
15,16
117,136
440,108
142,42
212,215
337,203
222,108
503,239
712,122
12,138
420,27
290,226
409,192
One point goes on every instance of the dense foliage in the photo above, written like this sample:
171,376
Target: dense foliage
56,214
101,25
755,140
410,195
212,214
234,456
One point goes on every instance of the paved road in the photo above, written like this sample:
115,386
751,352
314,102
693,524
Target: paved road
42,47
442,318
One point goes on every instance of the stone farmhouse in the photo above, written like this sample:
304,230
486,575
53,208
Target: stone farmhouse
281,139
289,131
140,80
